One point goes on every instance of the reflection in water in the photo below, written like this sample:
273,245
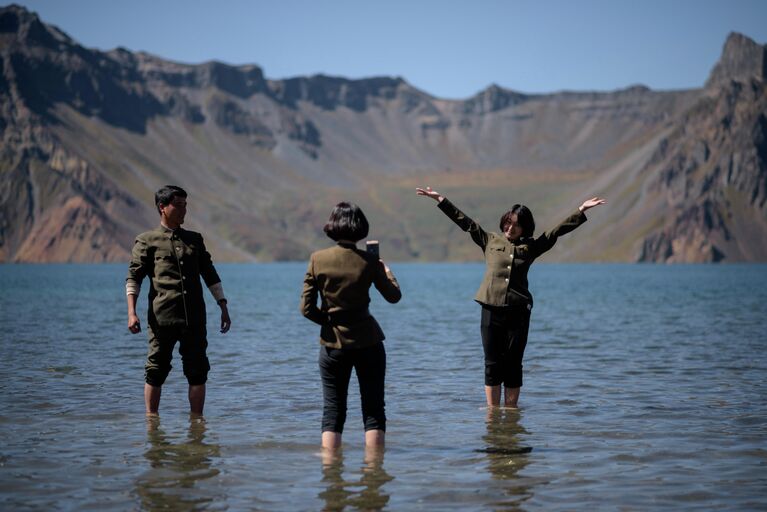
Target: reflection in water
177,469
506,456
364,494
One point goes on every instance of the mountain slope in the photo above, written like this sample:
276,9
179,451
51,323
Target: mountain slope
88,136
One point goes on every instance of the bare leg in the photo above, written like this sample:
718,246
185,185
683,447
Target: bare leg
152,398
375,438
331,456
493,395
331,440
197,398
511,397
373,449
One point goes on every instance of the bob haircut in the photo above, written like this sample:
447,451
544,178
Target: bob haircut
165,195
347,222
524,219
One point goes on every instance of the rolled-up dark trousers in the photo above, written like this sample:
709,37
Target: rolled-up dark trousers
504,337
336,370
193,346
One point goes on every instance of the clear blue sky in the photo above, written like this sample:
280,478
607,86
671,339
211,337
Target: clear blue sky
451,49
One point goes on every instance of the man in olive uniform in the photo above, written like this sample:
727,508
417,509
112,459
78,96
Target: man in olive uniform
174,259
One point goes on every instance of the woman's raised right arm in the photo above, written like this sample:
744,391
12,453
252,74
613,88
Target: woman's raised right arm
478,234
386,283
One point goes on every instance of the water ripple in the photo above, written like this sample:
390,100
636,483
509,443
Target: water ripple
649,394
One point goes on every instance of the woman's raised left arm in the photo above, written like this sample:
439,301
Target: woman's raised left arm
591,203
547,240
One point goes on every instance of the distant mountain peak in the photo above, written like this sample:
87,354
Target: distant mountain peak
13,17
742,59
492,99
28,29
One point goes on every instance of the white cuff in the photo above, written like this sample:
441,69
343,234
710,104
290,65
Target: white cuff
217,290
132,287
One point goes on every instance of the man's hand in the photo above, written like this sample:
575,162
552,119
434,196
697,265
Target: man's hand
134,326
226,322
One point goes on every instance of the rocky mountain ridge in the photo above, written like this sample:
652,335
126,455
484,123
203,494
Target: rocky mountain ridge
88,135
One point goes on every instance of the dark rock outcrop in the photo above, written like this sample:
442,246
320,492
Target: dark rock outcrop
742,60
330,93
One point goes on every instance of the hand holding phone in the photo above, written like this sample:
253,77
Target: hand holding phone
372,248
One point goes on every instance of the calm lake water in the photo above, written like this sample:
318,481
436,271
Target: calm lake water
645,389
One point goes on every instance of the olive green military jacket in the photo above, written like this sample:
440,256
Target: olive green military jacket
507,263
342,276
174,261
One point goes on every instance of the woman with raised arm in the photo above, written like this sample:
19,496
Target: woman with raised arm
349,336
506,302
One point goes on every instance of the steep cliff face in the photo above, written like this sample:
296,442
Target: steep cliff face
55,205
87,136
713,168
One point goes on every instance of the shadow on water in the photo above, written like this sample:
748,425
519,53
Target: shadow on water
177,469
363,492
506,455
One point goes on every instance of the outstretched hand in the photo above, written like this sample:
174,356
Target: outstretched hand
591,203
428,192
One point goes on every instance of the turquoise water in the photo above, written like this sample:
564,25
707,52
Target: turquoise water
645,388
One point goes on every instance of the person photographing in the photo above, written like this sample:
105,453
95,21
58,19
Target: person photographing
350,337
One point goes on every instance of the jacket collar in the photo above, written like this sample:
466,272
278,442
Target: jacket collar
166,229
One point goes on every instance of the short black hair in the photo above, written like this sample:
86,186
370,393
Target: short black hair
347,222
165,195
524,219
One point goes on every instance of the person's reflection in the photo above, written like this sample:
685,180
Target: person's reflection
341,493
506,455
177,468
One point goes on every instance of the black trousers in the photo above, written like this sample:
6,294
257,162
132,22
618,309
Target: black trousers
504,337
336,370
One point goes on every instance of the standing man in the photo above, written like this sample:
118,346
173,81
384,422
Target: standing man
174,259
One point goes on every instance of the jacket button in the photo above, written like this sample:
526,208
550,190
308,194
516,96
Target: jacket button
507,280
509,266
185,290
183,277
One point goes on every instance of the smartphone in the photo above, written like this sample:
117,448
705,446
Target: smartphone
372,248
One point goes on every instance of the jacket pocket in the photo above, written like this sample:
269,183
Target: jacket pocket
163,256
